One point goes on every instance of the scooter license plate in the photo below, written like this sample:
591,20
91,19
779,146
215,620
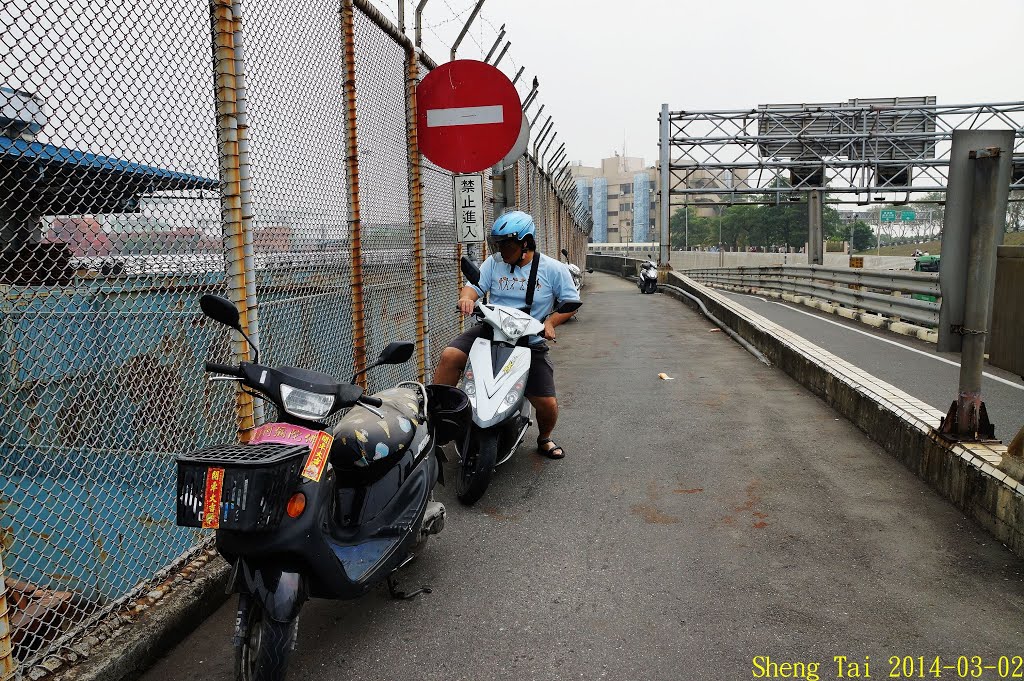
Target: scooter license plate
283,434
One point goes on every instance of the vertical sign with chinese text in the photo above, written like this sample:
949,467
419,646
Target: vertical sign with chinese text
469,208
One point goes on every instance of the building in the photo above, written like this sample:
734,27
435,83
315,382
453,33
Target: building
623,197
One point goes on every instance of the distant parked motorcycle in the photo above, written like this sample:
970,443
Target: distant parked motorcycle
577,274
306,509
574,270
648,279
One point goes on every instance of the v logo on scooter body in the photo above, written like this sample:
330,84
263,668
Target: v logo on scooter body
494,379
493,383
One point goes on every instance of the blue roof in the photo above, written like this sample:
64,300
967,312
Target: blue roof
51,180
17,150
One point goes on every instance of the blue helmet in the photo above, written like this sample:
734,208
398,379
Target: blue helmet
513,225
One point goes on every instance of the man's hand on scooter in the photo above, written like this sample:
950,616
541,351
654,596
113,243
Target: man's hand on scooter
466,306
549,331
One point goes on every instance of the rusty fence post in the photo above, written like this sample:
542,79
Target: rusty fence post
558,222
352,178
8,666
234,202
419,261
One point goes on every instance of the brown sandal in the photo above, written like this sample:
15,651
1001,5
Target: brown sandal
550,453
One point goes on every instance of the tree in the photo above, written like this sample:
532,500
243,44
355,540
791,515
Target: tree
700,231
832,224
1015,212
862,236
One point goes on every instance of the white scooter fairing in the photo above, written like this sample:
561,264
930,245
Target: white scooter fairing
577,277
495,376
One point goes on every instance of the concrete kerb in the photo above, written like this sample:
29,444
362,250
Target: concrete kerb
972,476
133,645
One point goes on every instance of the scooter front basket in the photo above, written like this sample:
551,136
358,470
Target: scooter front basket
450,412
236,486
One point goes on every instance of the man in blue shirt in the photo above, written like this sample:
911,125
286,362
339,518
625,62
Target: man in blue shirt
505,276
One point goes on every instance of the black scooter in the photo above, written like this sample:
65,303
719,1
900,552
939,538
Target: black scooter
306,509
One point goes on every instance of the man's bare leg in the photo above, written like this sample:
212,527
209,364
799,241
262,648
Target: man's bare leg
547,417
450,366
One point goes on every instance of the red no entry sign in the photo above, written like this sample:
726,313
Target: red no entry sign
469,115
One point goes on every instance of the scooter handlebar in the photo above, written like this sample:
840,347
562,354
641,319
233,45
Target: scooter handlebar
216,368
372,401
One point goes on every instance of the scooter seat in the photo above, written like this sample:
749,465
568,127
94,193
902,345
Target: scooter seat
362,439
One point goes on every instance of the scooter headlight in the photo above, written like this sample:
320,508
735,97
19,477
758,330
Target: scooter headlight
512,327
305,404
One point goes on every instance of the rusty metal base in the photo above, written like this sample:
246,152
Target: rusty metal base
950,427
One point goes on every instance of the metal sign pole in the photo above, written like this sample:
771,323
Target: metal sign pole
665,172
967,418
816,237
956,226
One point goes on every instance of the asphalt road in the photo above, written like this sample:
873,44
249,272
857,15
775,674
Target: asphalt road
910,364
695,525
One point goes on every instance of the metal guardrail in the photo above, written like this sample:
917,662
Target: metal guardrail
887,293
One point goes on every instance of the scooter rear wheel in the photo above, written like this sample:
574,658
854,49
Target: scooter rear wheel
477,466
266,645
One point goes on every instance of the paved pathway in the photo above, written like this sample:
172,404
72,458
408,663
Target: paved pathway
695,525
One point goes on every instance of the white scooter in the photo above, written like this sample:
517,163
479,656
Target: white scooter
495,381
576,273
648,279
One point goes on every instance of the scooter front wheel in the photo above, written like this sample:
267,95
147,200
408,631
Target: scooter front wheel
477,466
265,647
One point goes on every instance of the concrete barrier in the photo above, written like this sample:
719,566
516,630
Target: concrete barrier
974,476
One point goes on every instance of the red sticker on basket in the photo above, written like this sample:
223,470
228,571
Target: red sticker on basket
318,456
283,434
211,499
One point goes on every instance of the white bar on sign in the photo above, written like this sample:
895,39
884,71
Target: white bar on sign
466,115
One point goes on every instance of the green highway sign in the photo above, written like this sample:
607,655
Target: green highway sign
908,216
888,215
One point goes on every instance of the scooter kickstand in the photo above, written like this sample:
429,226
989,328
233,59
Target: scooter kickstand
401,595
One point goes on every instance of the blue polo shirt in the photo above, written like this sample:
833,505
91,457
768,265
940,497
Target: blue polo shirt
508,288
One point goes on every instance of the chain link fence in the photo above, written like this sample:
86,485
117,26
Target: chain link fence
150,155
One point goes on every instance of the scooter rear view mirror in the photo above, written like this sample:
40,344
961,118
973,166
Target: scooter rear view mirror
471,271
590,270
220,310
565,253
398,352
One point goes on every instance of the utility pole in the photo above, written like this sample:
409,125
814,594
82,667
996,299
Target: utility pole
665,160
